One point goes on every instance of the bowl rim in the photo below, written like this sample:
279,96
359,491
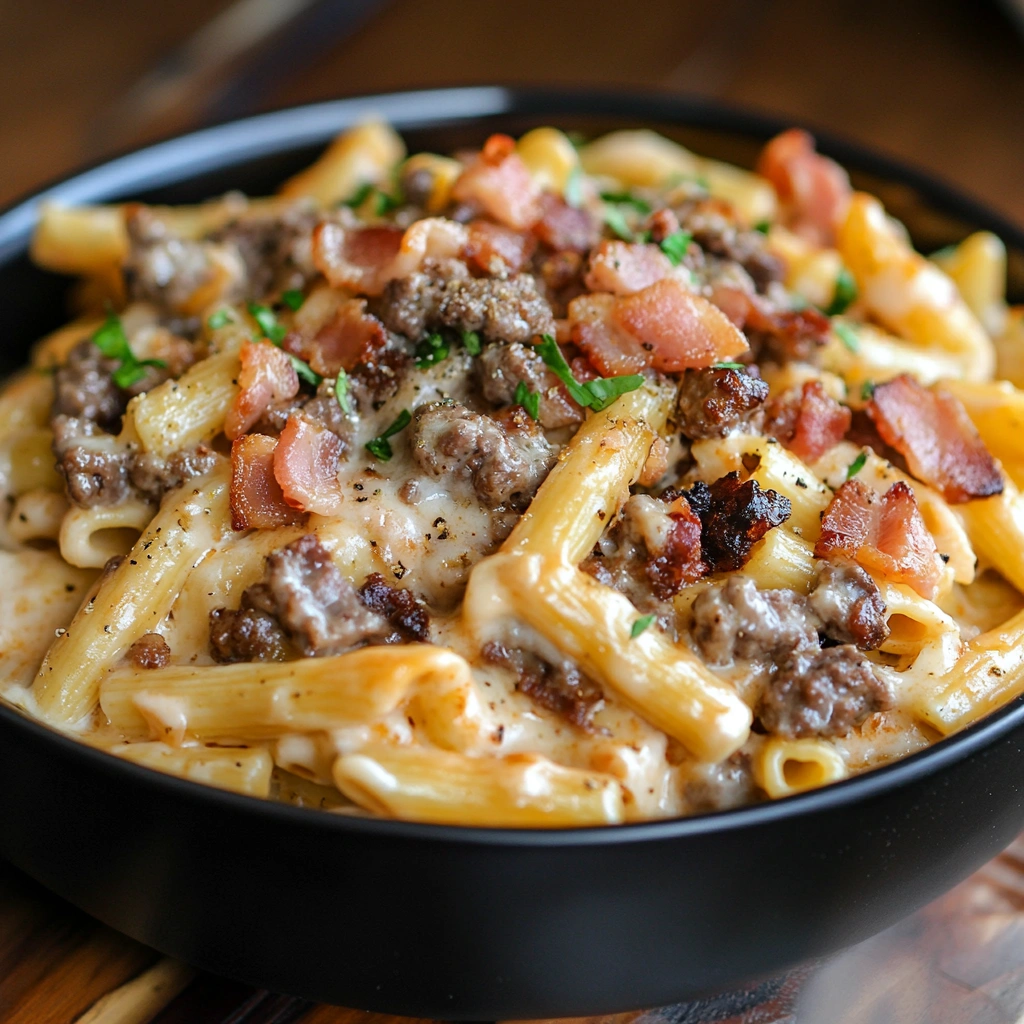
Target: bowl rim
166,162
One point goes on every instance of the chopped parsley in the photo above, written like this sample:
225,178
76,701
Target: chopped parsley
856,466
728,366
111,340
627,199
264,317
595,394
379,447
867,390
529,400
432,350
848,336
219,319
641,624
763,226
616,220
674,246
845,293
573,191
305,371
341,391
293,299
359,196
471,342
385,202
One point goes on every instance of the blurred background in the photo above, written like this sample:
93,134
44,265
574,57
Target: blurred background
938,82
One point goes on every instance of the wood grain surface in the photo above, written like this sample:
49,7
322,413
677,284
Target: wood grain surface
938,82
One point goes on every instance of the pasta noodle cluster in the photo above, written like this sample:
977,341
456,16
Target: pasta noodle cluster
545,485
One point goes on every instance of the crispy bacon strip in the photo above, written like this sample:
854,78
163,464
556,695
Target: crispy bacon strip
306,467
626,267
680,330
609,348
492,248
814,190
808,425
352,336
565,228
886,535
266,376
933,432
679,562
255,496
498,182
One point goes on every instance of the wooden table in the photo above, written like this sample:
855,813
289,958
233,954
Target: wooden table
938,82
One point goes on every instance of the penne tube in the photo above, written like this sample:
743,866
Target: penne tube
913,620
25,402
37,515
268,699
785,767
521,790
591,481
364,154
133,599
240,769
664,682
780,560
549,157
90,537
29,455
997,409
989,674
79,239
978,269
996,528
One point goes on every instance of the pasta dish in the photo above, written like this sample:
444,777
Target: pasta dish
557,483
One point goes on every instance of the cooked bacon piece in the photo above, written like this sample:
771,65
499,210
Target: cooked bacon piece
661,224
611,350
678,561
560,688
932,430
886,535
306,467
809,424
565,228
494,249
712,402
679,329
267,376
783,334
256,498
366,259
352,336
408,617
734,517
814,190
498,182
626,267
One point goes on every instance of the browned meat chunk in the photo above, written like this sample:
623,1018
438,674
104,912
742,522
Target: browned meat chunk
246,635
95,473
84,388
444,295
713,402
320,610
737,620
408,617
153,476
734,517
717,787
560,688
656,551
850,606
506,459
823,693
503,367
150,651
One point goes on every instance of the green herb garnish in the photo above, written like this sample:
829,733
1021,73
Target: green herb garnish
848,336
305,371
728,366
471,342
867,390
595,394
856,466
379,447
616,220
529,400
386,202
845,293
573,191
675,246
219,319
293,299
763,226
641,624
359,196
341,391
111,340
264,317
627,199
432,350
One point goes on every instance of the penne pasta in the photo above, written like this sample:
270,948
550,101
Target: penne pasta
240,769
786,767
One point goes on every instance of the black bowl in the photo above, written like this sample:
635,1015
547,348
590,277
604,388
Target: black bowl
468,923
